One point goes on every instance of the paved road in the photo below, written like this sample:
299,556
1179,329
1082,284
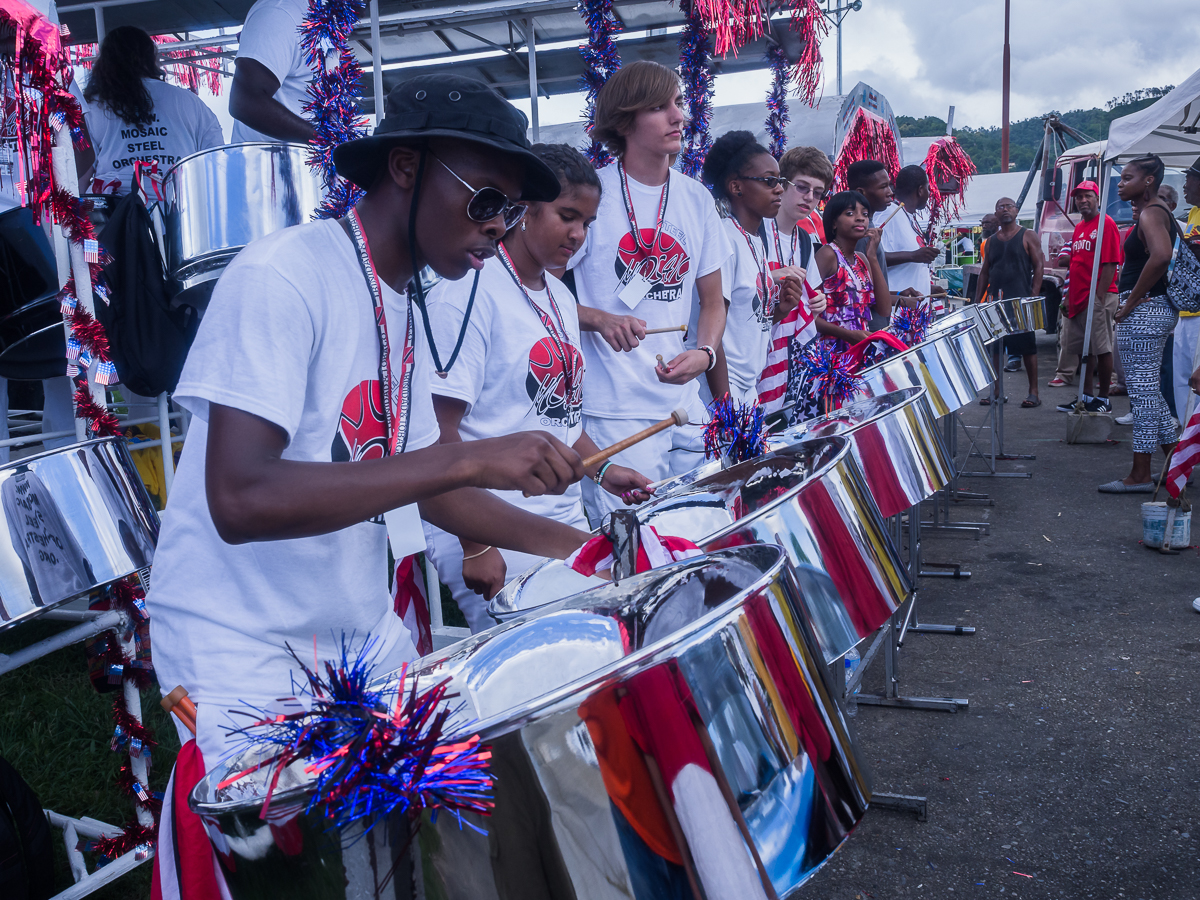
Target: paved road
1076,771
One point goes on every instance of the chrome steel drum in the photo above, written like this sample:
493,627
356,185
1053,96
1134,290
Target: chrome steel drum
77,518
1032,313
970,344
675,727
217,201
967,313
933,364
810,497
896,442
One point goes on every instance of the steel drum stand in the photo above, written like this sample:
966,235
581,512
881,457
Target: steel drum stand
90,624
941,506
995,427
890,638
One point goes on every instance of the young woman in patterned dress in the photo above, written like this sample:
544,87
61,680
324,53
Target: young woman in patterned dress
854,285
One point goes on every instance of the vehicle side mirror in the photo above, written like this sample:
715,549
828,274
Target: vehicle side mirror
1058,185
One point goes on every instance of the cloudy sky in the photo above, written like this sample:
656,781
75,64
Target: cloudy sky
925,55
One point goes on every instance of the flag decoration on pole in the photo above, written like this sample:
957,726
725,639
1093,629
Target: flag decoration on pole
1185,457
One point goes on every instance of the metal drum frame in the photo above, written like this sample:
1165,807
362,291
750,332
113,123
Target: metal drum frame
682,711
811,498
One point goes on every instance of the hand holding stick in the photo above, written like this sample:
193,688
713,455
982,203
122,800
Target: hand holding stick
180,704
679,417
899,206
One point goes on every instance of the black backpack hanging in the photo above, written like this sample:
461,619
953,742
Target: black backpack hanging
26,854
149,339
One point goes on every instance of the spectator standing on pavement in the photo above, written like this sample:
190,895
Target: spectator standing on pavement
1012,267
1187,332
270,76
1079,256
906,249
1144,320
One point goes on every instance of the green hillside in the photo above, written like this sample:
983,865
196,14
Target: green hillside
984,143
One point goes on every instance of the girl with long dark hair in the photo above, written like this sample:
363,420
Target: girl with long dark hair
854,284
1145,319
134,116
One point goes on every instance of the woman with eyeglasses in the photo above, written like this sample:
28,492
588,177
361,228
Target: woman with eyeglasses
853,282
746,183
1145,319
519,369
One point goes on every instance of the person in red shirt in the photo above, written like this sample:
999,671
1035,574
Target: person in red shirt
1079,255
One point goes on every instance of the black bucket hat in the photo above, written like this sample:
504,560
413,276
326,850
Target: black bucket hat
453,107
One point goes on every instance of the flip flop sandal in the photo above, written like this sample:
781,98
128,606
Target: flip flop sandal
987,401
1120,487
1030,402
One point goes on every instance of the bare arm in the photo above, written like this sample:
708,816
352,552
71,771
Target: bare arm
621,332
256,495
1108,272
920,255
711,328
252,102
1159,242
981,283
1034,248
883,296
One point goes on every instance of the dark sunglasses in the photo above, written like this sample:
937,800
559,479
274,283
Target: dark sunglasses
488,202
771,181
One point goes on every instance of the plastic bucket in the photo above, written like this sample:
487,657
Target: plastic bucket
1154,524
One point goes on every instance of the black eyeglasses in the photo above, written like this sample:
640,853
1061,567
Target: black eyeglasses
488,202
771,181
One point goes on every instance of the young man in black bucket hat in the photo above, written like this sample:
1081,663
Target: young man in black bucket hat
309,383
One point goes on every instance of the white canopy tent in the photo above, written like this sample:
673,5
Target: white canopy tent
1168,128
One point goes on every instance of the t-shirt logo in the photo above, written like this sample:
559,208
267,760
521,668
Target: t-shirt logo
362,429
770,290
664,266
547,382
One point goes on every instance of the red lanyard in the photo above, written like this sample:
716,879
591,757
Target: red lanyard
764,285
558,333
395,390
643,249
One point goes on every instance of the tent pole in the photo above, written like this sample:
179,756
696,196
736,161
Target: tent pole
1096,253
376,62
531,43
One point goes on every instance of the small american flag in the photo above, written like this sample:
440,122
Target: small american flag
63,30
1186,456
106,373
67,303
73,348
58,120
91,250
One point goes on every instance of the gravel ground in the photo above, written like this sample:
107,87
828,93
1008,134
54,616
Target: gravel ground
1074,773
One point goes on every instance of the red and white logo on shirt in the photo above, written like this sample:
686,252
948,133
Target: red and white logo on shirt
664,266
362,428
555,384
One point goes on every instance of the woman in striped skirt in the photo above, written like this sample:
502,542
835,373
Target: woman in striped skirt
1144,320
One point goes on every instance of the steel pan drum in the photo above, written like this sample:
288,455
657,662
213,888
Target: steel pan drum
78,518
701,677
1032,313
217,201
933,364
970,344
896,443
810,497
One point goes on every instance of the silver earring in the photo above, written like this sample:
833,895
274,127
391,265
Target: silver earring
522,224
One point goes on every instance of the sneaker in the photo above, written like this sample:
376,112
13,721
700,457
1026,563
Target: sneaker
1013,365
1098,404
1196,604
1057,381
1126,419
1067,407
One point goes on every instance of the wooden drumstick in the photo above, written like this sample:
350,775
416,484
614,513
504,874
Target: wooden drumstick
899,206
679,417
177,702
658,356
673,328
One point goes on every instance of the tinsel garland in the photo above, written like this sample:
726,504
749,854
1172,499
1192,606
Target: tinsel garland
189,69
44,107
828,373
734,431
870,137
810,24
732,23
601,59
946,163
777,108
695,67
333,95
372,751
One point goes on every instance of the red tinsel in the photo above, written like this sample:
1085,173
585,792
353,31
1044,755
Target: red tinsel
90,333
809,23
947,163
100,421
870,137
732,23
188,68
134,836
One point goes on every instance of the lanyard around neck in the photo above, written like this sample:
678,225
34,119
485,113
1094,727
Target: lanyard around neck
763,288
395,389
627,197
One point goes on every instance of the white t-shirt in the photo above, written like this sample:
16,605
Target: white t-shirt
902,234
271,36
751,294
290,337
510,372
182,125
692,244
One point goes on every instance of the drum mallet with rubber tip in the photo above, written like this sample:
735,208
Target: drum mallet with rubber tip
679,417
180,704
